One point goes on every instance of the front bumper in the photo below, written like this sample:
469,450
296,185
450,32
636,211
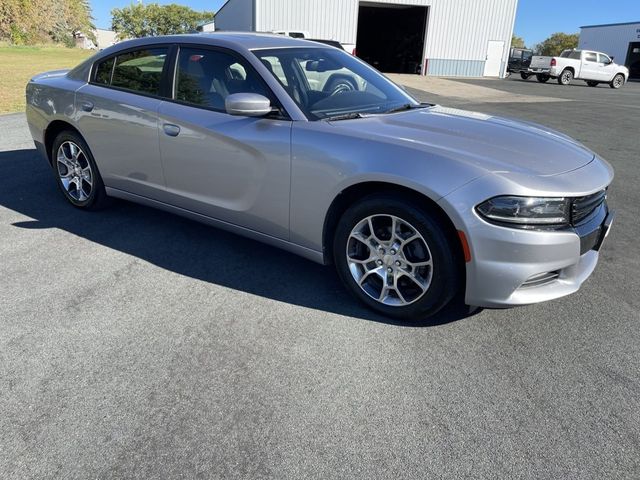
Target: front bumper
510,266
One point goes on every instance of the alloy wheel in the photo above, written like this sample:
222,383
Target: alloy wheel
74,171
389,260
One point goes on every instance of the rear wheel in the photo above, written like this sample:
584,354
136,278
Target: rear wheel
76,172
592,83
524,76
395,258
617,81
566,77
542,78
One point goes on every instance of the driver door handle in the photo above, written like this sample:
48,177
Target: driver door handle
171,129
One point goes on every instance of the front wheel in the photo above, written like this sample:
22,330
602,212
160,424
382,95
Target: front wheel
542,78
617,81
396,258
566,77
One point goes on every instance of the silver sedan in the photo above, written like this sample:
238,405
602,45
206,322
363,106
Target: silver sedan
307,148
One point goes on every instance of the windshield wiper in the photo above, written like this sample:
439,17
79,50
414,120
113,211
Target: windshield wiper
345,116
408,106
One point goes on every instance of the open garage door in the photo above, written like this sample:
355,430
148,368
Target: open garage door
633,60
391,37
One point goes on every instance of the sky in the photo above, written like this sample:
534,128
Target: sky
535,20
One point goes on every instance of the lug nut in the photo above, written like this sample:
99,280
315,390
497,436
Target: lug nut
398,262
393,252
379,262
390,270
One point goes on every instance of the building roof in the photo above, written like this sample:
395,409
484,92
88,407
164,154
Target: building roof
611,25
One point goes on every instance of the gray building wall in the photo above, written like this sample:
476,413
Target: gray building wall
610,39
458,31
236,15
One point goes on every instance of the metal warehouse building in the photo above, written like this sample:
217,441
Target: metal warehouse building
620,40
437,37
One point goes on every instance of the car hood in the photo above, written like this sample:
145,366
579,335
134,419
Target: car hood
494,144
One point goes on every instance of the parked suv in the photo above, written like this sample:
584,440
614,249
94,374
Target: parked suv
592,67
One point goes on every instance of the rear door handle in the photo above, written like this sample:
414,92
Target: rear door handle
171,129
86,106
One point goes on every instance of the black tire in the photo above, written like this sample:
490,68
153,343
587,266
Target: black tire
524,76
566,77
340,85
446,275
542,78
97,197
592,83
617,82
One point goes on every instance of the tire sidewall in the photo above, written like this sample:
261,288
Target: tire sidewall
97,190
445,280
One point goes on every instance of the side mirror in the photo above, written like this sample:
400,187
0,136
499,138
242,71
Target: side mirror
611,60
247,105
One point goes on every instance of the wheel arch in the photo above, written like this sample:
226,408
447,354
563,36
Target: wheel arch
358,191
52,131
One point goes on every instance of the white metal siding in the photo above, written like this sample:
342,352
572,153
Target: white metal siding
613,39
458,31
236,15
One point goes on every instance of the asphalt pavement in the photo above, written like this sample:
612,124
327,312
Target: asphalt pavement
137,344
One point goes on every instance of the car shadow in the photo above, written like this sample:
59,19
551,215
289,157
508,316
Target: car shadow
183,246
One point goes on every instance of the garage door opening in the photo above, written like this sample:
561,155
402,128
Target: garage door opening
391,37
633,60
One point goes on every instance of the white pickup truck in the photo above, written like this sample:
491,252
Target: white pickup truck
592,67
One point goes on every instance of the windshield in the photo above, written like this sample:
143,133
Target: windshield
327,82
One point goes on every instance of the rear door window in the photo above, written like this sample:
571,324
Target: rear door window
140,70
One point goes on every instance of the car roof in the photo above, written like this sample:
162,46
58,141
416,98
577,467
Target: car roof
233,40
240,40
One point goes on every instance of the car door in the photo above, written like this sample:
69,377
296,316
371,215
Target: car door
117,115
607,68
590,69
231,168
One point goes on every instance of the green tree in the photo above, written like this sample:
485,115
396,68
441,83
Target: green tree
139,20
41,21
556,43
517,42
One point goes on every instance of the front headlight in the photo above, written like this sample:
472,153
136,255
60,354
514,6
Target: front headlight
526,212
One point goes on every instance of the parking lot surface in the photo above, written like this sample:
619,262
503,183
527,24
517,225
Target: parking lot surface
137,344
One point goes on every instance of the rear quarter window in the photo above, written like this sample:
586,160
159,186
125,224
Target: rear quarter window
103,72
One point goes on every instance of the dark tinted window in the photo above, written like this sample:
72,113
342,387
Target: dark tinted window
140,70
103,71
207,77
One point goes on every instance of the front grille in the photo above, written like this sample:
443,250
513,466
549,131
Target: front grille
541,279
582,207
